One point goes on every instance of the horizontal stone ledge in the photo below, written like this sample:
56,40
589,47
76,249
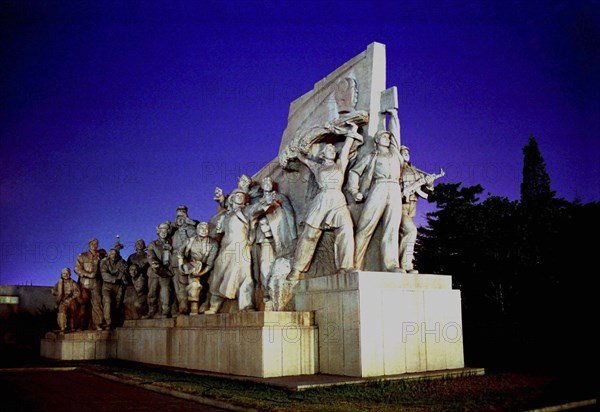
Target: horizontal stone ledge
84,335
228,320
381,280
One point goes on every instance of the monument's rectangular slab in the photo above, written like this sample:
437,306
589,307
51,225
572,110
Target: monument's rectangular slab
261,344
376,323
83,345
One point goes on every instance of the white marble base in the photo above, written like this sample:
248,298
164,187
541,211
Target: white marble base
84,345
377,324
260,344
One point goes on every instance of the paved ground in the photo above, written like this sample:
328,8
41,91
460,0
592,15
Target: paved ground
53,390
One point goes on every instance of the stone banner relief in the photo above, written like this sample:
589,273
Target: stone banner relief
326,282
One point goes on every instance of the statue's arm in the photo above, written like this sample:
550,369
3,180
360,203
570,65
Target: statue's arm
394,128
345,153
354,177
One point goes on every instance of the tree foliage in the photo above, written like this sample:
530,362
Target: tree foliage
523,268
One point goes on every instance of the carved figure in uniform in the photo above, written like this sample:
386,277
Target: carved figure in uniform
66,291
201,252
87,267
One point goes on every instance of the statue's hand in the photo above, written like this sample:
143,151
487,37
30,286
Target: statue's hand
442,173
218,193
358,197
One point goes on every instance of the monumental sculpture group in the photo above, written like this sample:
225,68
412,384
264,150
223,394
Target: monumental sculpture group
330,218
257,222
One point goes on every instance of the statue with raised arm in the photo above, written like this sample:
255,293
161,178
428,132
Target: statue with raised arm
200,253
232,274
245,185
376,178
413,180
66,291
328,209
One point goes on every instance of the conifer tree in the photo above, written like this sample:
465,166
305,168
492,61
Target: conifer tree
535,187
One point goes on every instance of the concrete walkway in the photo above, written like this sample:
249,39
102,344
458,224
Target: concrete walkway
70,389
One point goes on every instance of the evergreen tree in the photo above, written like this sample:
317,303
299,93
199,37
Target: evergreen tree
523,269
535,187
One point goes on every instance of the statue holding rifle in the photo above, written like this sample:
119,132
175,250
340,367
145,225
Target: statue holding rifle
412,180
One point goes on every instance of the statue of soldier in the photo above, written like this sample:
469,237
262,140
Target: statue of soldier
185,228
138,265
275,236
87,267
160,277
139,257
379,177
412,180
114,282
232,274
140,285
201,252
66,291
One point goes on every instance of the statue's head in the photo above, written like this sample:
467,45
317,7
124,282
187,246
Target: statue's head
140,245
182,211
239,197
404,152
133,270
267,184
93,244
163,230
263,223
65,273
383,138
202,229
346,95
328,152
113,254
244,183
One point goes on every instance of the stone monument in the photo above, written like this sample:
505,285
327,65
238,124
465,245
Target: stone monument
310,276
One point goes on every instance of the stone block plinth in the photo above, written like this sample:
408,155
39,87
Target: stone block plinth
83,345
377,323
260,344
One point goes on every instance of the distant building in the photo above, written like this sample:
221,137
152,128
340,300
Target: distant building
25,299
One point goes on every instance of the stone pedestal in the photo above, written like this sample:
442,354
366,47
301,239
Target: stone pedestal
84,345
376,323
261,344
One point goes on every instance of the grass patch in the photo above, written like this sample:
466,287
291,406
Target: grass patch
505,391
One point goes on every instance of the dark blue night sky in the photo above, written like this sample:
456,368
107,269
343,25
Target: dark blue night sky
113,113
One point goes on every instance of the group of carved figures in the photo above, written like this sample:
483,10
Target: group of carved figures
254,226
252,239
383,180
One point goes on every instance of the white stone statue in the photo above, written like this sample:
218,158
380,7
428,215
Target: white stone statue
87,267
200,253
66,291
413,180
376,178
160,277
232,274
185,229
328,209
114,283
275,236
